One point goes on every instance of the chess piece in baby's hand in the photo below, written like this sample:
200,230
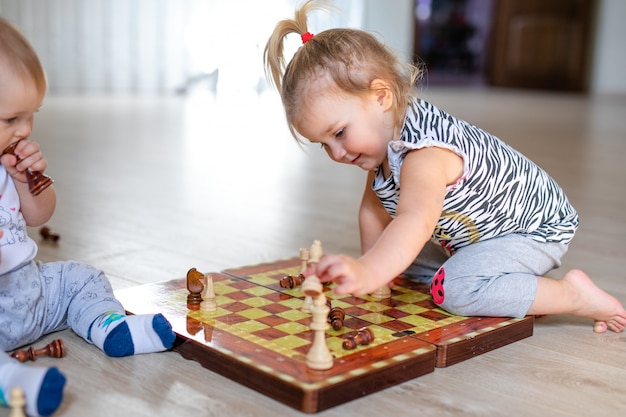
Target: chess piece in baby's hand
37,181
363,336
55,349
47,234
195,287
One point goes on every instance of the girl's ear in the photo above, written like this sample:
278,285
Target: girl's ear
382,92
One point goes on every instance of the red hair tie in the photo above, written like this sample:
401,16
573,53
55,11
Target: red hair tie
307,36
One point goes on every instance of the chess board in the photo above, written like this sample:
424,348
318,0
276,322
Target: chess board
259,336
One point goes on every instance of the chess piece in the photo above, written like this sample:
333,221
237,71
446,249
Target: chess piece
208,295
55,349
336,315
195,287
291,281
319,356
17,402
37,181
304,259
316,252
47,234
363,336
382,293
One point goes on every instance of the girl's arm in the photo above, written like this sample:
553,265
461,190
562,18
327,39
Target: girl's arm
373,218
425,175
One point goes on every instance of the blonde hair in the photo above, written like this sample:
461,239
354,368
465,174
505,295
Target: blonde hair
17,55
352,59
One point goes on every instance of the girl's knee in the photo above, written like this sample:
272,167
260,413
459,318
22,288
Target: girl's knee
451,295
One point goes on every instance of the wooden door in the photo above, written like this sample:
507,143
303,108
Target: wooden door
542,44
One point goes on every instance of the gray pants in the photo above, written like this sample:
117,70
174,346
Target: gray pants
496,277
37,299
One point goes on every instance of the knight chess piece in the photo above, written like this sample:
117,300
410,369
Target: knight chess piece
195,287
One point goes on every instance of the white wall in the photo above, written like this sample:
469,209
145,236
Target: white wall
607,73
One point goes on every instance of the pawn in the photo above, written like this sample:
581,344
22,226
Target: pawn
291,281
304,259
316,252
363,336
336,316
382,293
55,349
17,402
47,234
208,295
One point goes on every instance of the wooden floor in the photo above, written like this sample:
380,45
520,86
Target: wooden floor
150,187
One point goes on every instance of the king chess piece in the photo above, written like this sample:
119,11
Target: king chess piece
319,356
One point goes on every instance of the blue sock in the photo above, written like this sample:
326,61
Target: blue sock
120,335
43,387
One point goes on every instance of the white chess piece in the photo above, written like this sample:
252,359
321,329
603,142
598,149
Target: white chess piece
319,356
208,295
17,402
382,293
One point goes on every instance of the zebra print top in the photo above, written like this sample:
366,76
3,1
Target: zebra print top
500,192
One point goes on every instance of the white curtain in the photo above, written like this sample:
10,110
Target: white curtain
157,46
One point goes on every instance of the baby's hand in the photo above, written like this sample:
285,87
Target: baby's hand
348,273
25,155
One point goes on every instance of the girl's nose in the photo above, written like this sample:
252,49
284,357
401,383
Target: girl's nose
338,153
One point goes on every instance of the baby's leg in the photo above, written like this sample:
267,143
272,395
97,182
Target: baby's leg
96,315
43,387
576,294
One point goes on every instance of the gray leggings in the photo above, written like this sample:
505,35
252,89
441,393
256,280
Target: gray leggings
496,277
37,299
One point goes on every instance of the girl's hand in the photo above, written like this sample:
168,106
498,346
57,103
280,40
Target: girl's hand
348,273
26,155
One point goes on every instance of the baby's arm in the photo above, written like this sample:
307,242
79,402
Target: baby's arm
36,210
424,178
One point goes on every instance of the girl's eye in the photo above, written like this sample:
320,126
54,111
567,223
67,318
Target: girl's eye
340,133
11,119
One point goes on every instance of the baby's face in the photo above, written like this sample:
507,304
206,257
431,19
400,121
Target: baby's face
19,100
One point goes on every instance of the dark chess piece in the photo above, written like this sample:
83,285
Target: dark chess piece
363,336
336,315
291,281
55,349
195,287
37,181
47,234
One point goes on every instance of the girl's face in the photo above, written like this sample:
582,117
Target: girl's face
19,100
352,129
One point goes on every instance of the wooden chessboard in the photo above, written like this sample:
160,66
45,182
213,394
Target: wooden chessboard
259,336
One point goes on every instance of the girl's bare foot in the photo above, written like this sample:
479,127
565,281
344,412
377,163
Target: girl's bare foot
590,301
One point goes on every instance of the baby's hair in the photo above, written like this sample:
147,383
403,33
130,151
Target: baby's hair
17,55
346,59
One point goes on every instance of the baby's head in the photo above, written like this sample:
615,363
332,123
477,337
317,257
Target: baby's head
18,59
346,60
